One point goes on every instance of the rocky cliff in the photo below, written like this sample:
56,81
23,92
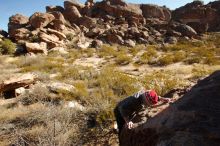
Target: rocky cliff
192,120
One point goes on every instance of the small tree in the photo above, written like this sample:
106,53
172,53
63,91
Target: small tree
7,47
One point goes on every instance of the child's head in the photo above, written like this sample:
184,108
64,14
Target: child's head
151,97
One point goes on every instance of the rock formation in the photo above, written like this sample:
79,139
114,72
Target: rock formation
191,120
199,16
114,21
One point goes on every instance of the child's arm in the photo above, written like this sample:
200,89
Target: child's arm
164,100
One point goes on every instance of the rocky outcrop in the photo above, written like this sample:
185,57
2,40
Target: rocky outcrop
199,16
114,21
191,120
40,20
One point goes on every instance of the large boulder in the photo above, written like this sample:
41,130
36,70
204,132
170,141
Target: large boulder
114,39
51,40
86,21
58,16
154,11
191,120
16,22
185,30
54,9
3,33
36,47
40,20
60,35
73,3
71,14
17,81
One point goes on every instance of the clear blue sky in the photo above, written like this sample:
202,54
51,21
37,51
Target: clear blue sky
28,7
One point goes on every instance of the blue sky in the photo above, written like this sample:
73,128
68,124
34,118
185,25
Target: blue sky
28,7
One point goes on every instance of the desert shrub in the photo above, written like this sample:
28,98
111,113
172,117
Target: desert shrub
45,65
123,59
107,51
81,90
200,71
7,47
179,56
120,83
70,36
89,52
69,72
148,56
166,59
162,81
38,93
193,59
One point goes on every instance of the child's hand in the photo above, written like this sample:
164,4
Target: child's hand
130,125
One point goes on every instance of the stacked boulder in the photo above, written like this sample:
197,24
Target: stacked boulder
110,21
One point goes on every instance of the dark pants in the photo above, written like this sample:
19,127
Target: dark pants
120,121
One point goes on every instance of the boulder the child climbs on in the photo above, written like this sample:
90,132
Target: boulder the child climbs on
132,110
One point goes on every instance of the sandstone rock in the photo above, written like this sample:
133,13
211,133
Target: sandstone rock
173,33
130,43
171,40
86,21
19,34
20,91
108,8
3,33
61,50
114,39
40,20
60,35
71,14
17,81
83,45
59,16
96,43
75,105
200,28
197,12
58,86
54,9
154,11
36,47
58,25
193,119
16,22
118,2
51,40
186,30
73,3
94,32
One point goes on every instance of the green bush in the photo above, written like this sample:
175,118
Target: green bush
7,47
